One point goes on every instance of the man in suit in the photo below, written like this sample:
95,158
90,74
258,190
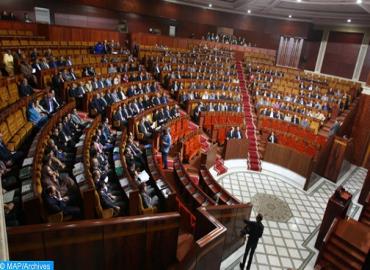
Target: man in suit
8,157
55,203
166,113
25,89
143,129
156,100
49,103
166,141
159,117
237,133
118,116
175,111
106,198
148,195
255,231
230,133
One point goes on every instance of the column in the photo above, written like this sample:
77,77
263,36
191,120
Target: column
322,50
361,56
4,255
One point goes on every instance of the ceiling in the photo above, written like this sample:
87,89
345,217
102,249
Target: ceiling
329,12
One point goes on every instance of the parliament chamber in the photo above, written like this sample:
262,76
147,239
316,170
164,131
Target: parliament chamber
149,134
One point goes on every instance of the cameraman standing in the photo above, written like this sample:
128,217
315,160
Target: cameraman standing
255,231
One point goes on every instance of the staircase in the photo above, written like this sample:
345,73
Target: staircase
346,246
254,162
365,213
220,167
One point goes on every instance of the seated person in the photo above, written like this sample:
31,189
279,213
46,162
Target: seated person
56,203
107,199
8,157
118,116
76,119
148,195
175,112
25,89
50,176
34,116
49,103
40,109
61,155
143,128
137,152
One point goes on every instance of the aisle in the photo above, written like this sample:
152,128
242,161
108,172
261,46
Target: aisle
254,162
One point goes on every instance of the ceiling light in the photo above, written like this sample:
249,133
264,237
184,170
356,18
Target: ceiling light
210,5
359,1
299,1
349,20
290,16
249,11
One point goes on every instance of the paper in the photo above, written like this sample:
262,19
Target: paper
80,178
143,176
8,196
26,188
123,182
27,161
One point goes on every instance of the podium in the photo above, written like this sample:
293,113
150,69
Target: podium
337,207
338,163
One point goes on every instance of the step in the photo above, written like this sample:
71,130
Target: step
342,242
342,254
334,261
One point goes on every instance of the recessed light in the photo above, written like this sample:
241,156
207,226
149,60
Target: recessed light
210,5
249,11
299,1
290,16
359,1
349,20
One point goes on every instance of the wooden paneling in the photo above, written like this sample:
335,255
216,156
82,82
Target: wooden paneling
341,54
365,72
361,130
310,50
142,15
289,158
235,149
119,243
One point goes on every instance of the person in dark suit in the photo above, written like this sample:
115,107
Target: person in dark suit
156,100
106,198
25,89
230,133
295,119
255,231
49,103
166,141
143,129
148,195
55,203
237,133
8,157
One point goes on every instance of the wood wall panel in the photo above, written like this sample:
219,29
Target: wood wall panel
361,130
341,54
310,50
141,15
366,67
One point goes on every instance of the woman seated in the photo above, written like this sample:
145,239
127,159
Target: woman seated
34,116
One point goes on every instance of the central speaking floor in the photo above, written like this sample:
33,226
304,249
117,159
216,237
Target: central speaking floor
290,232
